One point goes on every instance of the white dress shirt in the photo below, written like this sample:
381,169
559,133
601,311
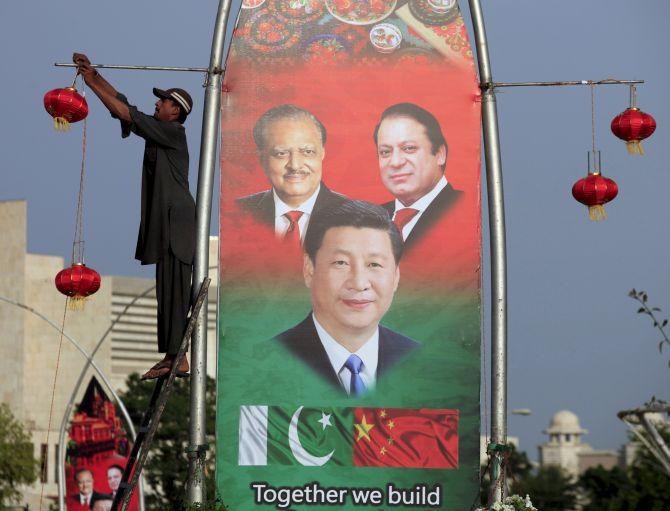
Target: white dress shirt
282,223
421,205
338,355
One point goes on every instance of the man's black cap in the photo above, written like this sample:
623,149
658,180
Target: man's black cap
180,96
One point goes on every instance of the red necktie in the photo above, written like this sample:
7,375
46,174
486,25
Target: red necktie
403,217
292,234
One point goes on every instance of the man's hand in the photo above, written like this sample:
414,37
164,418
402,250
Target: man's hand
102,88
84,66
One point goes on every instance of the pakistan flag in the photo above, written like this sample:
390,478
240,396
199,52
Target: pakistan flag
273,435
367,437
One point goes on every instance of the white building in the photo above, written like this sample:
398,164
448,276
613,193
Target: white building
566,450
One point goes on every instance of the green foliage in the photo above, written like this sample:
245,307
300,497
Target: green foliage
641,297
550,488
602,487
17,464
643,487
166,470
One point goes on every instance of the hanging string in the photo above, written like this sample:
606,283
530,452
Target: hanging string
43,468
485,415
593,118
78,243
633,96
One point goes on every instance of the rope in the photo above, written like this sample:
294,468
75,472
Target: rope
484,354
593,119
51,408
78,243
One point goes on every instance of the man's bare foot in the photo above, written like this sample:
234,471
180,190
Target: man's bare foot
183,367
162,368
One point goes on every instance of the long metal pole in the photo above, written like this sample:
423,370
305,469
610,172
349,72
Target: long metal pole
197,450
609,81
124,411
140,68
498,257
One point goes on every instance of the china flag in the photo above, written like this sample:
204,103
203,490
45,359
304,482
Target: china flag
405,437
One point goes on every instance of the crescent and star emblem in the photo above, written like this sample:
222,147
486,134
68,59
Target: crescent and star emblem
300,453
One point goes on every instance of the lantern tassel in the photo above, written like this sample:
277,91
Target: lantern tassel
597,213
76,303
61,124
635,147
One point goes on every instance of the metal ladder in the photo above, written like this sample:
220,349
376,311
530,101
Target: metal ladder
152,415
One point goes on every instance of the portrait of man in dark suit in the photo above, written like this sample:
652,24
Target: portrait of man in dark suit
291,147
351,267
85,497
412,154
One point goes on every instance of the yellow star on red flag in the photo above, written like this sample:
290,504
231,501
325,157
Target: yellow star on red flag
363,429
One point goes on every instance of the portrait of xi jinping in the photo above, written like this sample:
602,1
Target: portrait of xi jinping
351,268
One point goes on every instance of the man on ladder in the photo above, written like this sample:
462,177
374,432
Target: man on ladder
167,226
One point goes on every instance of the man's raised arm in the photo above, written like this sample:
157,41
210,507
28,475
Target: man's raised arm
101,87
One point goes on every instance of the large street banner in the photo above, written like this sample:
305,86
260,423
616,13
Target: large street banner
349,307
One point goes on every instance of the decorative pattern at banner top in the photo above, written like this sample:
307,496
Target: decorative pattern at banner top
252,4
297,11
267,34
330,32
434,12
327,48
385,37
360,12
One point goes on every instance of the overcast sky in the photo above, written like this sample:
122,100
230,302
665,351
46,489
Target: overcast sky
575,341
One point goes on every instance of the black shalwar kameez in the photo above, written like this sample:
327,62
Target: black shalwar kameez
167,226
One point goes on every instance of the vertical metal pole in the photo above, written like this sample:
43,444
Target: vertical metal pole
210,133
498,257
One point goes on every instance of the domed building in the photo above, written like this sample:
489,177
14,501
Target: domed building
565,448
565,443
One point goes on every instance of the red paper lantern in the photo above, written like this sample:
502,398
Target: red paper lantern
65,106
78,281
594,191
633,125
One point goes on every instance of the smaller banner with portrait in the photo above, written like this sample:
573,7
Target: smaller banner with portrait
96,453
349,307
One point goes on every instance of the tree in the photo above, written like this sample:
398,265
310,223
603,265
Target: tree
166,470
602,487
642,488
17,464
550,489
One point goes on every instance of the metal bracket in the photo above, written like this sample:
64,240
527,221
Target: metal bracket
196,451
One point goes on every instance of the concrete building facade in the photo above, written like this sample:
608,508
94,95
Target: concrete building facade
29,344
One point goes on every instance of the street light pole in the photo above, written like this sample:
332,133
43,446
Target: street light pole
498,251
197,449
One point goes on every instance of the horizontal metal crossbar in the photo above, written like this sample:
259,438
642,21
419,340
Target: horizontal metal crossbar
608,81
144,68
